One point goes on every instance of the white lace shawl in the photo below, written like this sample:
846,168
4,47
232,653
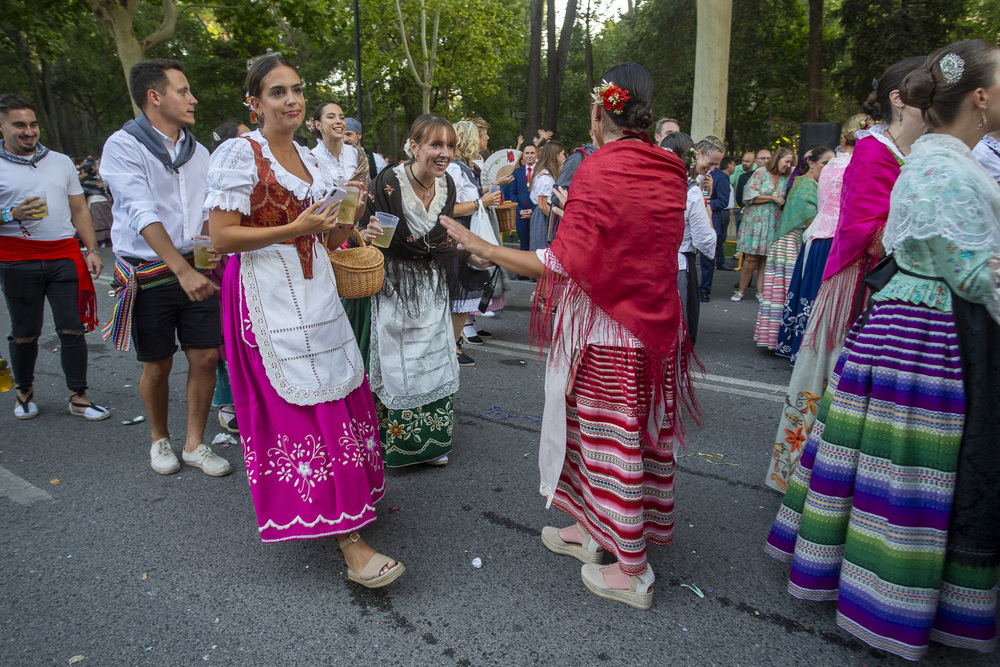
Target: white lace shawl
420,220
232,175
944,191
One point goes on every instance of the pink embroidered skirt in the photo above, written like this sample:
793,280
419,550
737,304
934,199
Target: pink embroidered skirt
314,470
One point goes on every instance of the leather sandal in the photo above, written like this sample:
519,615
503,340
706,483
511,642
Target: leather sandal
588,552
91,413
370,577
25,409
639,594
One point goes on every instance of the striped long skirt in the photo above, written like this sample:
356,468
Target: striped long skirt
777,278
868,516
621,492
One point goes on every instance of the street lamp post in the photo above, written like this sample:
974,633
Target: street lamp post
357,61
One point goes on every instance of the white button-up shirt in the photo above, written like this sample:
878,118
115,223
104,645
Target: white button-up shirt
145,192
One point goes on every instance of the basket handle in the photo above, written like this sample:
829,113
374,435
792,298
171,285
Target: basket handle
354,232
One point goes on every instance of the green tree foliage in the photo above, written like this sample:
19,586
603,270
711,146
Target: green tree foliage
878,33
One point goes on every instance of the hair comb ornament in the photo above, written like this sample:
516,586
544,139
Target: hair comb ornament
216,137
952,67
611,97
874,84
253,114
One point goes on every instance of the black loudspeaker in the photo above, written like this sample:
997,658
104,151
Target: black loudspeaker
818,134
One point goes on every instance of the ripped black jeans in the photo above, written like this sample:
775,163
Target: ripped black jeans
26,285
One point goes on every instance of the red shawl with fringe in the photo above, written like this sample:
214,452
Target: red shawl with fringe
618,243
619,237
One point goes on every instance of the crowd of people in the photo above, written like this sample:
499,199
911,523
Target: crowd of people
877,274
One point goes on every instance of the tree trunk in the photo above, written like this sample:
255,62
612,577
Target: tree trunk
551,55
815,61
532,106
588,55
711,69
557,70
117,17
429,58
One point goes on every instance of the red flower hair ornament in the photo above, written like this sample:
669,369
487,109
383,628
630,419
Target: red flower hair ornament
610,96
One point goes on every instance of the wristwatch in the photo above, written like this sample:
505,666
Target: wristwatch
7,214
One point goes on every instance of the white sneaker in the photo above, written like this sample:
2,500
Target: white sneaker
209,462
162,457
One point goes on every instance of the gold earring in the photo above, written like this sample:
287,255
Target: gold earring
900,115
982,121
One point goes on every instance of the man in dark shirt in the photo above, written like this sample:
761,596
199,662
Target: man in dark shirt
722,191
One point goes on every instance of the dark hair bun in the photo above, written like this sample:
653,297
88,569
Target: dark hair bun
918,89
636,116
873,108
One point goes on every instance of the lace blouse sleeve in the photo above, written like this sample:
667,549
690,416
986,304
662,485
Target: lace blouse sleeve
232,175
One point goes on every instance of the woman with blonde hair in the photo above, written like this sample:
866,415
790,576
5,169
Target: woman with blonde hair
469,197
550,160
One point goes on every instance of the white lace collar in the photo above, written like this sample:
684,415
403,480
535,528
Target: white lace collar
878,131
343,167
419,219
301,189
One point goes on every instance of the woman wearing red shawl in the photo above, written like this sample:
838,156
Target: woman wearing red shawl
615,364
857,246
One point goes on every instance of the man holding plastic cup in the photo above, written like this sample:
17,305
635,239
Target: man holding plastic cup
157,172
42,209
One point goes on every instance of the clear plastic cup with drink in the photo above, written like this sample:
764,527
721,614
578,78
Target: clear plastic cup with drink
349,205
43,201
387,222
497,188
203,254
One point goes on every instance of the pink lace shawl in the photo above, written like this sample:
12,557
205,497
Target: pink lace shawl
831,182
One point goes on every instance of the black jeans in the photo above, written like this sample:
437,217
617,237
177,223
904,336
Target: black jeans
25,286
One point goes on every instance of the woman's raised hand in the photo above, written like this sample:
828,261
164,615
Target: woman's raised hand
372,231
466,239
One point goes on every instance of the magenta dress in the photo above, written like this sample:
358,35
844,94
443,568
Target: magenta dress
306,414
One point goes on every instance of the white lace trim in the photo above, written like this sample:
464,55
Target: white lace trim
944,191
341,169
420,220
227,200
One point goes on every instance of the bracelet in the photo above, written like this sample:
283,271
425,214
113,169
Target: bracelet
7,215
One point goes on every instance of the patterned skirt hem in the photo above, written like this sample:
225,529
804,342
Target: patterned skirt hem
811,594
329,533
777,554
906,651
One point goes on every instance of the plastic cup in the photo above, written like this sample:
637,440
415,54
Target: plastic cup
387,222
350,204
497,188
203,254
44,201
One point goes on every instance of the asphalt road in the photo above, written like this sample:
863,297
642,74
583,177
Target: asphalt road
126,567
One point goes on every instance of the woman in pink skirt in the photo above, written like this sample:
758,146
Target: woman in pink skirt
307,419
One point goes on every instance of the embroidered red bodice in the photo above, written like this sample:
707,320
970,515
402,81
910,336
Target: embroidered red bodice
273,205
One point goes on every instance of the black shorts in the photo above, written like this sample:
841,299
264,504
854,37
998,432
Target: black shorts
164,315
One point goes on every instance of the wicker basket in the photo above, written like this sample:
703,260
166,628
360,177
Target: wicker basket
506,215
359,271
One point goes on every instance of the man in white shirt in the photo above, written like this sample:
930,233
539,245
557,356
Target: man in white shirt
157,172
352,137
42,209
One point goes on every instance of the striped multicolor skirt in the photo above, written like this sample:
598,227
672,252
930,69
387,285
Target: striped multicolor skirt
777,278
621,492
866,517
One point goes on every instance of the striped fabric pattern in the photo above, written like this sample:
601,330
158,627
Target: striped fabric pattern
866,516
619,491
778,273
